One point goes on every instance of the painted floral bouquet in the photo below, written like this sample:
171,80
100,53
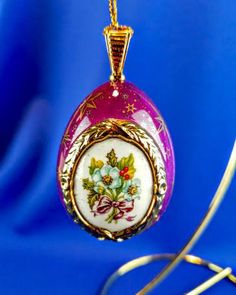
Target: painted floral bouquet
112,189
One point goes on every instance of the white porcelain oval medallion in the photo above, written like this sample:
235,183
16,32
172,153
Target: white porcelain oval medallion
113,185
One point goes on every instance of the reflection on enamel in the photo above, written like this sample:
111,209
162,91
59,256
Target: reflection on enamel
145,121
115,93
85,123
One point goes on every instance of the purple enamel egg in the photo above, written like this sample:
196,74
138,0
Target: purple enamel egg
116,162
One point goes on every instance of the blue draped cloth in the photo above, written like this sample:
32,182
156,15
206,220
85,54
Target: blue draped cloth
52,54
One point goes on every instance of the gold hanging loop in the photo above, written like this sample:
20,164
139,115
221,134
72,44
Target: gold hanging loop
117,39
113,12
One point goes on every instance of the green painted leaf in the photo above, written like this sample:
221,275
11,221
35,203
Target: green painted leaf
131,160
121,163
101,190
126,162
95,164
92,198
112,159
87,184
92,166
131,172
99,164
118,191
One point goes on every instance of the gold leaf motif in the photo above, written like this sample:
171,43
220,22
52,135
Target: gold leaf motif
130,108
88,104
127,131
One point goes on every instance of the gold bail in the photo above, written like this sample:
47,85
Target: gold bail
117,41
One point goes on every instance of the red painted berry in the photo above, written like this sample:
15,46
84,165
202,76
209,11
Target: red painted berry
127,176
126,169
122,172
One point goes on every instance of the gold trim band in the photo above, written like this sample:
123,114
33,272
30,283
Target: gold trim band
129,132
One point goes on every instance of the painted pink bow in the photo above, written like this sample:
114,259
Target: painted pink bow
105,204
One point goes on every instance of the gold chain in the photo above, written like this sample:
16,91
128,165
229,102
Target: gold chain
113,12
117,42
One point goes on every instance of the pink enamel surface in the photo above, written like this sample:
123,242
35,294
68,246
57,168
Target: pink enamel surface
121,100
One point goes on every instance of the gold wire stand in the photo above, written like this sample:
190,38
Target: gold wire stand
117,41
182,255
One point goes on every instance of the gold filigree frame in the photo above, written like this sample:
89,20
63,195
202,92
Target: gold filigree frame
129,132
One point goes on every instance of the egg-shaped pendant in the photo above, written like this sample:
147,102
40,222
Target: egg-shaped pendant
116,161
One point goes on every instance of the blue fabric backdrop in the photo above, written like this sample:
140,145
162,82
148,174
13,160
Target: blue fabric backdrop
52,54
